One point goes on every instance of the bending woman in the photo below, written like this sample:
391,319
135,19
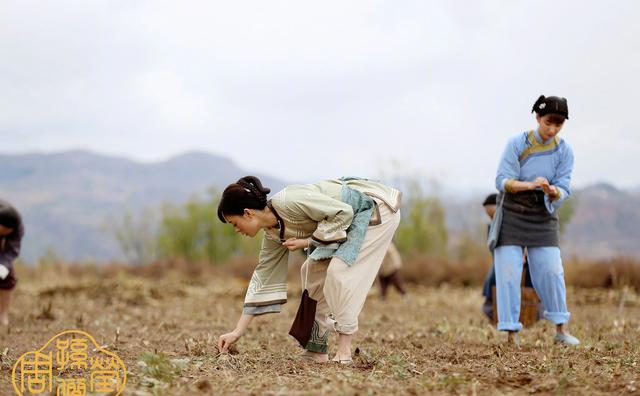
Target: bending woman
534,175
350,222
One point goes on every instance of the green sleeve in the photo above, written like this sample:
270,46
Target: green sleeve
268,284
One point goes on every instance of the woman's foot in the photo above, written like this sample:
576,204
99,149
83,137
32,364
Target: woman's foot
343,355
563,336
315,357
512,338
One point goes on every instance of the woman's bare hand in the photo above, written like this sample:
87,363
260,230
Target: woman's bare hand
295,243
552,192
542,182
226,340
547,188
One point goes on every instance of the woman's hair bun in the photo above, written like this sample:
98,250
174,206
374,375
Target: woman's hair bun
536,106
254,185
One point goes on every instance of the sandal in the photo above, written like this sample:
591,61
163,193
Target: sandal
347,361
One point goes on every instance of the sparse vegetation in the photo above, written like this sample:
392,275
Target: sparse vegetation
162,319
190,232
423,229
158,367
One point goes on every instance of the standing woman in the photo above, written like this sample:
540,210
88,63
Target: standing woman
349,221
534,176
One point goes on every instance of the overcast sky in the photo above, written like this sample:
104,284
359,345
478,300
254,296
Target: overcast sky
305,90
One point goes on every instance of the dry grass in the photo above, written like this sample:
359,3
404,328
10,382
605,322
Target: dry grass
163,321
423,270
614,273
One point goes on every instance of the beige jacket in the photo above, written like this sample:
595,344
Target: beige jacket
306,210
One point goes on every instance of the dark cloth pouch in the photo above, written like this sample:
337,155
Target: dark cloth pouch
302,325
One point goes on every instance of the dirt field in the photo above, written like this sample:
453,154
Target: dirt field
436,342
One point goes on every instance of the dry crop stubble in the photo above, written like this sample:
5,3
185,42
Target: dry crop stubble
435,342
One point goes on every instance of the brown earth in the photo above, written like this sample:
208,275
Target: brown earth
435,342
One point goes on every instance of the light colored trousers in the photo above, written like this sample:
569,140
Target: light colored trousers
547,276
341,290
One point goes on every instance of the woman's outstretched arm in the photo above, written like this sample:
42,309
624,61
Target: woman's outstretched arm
226,340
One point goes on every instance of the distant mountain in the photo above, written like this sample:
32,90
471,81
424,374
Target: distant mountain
606,223
67,199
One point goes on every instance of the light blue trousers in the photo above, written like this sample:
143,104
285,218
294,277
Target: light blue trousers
547,276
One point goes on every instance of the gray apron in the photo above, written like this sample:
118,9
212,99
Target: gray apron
527,222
